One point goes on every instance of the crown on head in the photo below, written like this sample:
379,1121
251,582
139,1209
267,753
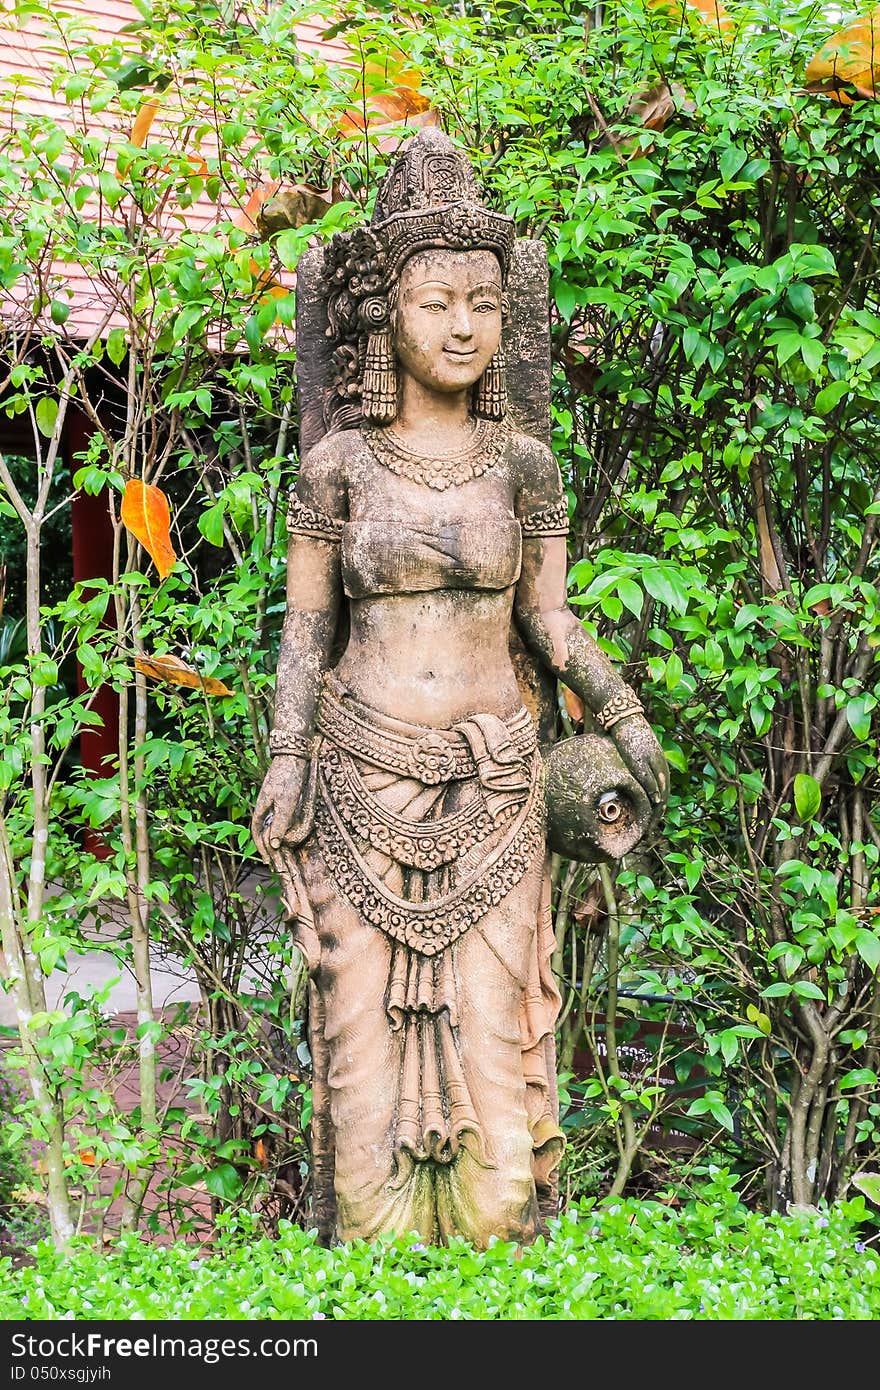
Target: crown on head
430,198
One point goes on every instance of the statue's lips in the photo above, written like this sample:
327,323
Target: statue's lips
462,356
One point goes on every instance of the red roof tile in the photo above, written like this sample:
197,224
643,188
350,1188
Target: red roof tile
29,59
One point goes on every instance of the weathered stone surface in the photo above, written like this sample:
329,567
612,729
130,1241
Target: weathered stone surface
596,810
426,629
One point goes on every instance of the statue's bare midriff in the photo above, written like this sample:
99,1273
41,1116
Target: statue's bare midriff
441,655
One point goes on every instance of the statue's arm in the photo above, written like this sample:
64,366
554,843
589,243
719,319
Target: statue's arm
314,593
556,637
313,596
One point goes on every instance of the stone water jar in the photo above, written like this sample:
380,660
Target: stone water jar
596,810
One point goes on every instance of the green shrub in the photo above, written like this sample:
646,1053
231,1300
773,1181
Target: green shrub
21,1221
13,1164
711,1259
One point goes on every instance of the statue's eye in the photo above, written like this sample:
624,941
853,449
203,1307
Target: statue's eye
486,308
434,305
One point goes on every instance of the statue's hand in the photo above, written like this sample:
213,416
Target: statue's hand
278,804
637,745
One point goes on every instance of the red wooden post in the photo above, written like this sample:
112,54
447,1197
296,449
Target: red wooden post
93,559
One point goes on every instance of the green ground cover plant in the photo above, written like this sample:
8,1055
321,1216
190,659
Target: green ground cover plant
710,217
710,1259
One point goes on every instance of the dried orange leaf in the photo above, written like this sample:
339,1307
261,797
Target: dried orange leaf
658,104
173,671
145,513
713,14
246,217
849,58
389,91
573,704
144,119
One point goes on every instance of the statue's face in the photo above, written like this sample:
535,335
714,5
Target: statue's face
448,320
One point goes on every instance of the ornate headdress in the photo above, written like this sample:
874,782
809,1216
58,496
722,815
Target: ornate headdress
429,199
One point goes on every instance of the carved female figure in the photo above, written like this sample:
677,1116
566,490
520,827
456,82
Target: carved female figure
404,804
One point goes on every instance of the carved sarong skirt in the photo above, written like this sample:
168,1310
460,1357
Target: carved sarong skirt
424,916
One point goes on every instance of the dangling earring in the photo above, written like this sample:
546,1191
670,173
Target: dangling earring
490,393
379,390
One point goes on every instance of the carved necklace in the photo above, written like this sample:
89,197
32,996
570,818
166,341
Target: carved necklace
482,452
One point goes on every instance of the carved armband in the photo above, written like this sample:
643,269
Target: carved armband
294,745
306,521
618,707
547,521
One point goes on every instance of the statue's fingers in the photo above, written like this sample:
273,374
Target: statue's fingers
262,814
282,819
664,779
648,778
649,782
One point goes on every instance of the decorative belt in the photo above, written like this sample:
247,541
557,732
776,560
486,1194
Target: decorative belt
506,820
413,750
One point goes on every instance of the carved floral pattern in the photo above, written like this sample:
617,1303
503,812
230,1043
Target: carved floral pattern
306,521
423,845
408,757
549,521
483,452
429,927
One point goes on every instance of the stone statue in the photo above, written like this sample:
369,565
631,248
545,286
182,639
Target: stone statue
404,807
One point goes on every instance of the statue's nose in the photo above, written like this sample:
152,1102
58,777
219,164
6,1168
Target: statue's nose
462,324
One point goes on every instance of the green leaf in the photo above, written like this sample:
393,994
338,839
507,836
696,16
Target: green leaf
47,414
696,347
805,989
729,1046
732,160
210,523
290,244
253,334
667,586
830,396
188,317
746,615
116,346
45,670
813,353
49,956
868,946
802,300
223,1181
566,298
713,655
787,344
759,1019
869,1186
712,1104
721,1114
674,671
858,717
861,1076
778,991
631,596
76,86
807,796
108,183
